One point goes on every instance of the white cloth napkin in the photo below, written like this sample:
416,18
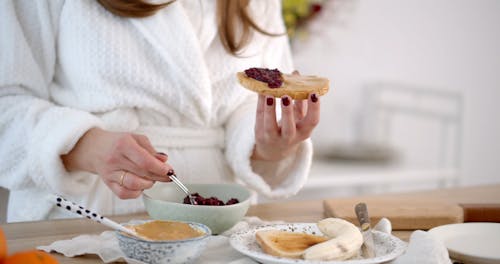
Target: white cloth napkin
422,247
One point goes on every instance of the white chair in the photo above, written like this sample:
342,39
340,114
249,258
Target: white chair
423,124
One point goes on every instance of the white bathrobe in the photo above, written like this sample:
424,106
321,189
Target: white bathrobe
68,66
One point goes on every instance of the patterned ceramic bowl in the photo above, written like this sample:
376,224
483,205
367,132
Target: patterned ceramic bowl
168,251
165,202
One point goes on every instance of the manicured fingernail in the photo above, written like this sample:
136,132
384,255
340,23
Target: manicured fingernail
314,98
270,101
285,100
170,172
161,153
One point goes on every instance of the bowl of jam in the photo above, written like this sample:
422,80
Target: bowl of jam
218,206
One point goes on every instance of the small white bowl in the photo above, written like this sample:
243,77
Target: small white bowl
165,251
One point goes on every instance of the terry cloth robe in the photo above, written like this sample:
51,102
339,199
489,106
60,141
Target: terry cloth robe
68,66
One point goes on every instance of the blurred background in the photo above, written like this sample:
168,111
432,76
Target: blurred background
414,100
413,103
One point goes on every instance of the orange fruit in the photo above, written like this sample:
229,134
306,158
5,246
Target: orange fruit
3,246
30,257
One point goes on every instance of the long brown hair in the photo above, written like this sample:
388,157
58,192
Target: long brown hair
235,22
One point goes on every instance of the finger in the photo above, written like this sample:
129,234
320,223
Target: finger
160,178
123,193
145,161
125,164
270,124
144,173
287,118
299,105
145,143
309,122
259,119
132,181
300,109
161,156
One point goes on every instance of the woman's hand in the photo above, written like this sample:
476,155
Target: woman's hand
276,140
126,162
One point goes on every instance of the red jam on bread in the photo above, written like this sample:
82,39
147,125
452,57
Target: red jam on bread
273,78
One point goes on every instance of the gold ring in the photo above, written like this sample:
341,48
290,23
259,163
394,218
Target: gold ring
123,177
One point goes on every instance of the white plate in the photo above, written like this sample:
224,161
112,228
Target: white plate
388,247
471,242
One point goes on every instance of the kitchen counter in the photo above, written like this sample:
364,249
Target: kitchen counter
28,235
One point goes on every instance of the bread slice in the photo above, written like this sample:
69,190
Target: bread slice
294,85
286,244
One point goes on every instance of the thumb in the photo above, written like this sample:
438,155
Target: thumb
161,156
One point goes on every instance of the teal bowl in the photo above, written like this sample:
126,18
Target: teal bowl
165,202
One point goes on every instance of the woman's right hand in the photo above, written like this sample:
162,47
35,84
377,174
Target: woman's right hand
126,162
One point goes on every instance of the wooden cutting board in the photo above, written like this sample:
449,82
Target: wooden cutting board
404,214
489,212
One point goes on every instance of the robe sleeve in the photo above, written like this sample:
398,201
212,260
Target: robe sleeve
34,130
272,179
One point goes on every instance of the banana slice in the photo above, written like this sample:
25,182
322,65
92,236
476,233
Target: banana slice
345,242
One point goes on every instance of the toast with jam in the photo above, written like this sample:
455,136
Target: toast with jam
277,84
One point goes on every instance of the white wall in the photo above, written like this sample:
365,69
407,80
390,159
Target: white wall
444,45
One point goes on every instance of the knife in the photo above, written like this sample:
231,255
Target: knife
368,247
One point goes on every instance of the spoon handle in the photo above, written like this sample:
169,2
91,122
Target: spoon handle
183,188
80,210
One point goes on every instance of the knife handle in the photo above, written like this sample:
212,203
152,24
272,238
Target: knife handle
362,214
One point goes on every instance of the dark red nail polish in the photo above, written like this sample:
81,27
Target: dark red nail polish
285,100
314,98
170,172
270,101
161,153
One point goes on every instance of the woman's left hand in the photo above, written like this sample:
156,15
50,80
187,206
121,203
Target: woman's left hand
275,140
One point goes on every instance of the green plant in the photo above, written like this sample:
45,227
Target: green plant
297,13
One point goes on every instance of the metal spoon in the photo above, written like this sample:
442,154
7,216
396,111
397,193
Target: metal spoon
183,188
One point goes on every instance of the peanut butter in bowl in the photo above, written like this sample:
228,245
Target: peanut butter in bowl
160,241
166,230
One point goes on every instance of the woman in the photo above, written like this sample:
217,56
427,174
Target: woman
92,97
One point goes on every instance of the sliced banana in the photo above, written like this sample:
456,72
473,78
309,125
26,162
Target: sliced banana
345,242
